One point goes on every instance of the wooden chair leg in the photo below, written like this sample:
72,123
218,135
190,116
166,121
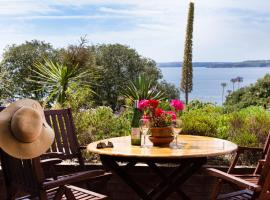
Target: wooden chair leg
60,192
42,195
216,189
69,194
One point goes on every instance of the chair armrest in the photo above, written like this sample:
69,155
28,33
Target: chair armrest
243,149
52,155
75,178
262,161
49,162
232,179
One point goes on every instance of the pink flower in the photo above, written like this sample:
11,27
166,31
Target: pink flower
143,104
172,114
177,104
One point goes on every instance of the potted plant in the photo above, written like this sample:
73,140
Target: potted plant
160,119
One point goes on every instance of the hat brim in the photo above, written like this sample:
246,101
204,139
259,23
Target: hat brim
18,149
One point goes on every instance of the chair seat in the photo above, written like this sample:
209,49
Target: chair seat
64,192
85,176
249,177
239,195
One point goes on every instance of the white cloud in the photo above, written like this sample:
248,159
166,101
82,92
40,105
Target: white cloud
224,30
21,7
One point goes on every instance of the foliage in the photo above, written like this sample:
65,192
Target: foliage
187,74
81,55
6,85
78,98
169,90
118,65
18,61
201,121
252,123
111,66
56,78
101,123
254,95
142,88
196,104
247,127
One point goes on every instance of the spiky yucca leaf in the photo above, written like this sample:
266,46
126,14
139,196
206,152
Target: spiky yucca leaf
142,88
55,78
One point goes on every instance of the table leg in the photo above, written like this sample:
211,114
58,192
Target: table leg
113,166
166,179
189,167
169,183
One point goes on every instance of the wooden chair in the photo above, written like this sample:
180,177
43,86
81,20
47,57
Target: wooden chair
66,146
25,177
250,186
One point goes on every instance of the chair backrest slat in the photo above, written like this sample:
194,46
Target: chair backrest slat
53,148
18,174
58,138
63,133
70,134
65,137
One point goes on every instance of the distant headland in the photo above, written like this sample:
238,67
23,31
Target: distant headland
248,63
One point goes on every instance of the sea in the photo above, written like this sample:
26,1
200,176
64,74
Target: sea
207,81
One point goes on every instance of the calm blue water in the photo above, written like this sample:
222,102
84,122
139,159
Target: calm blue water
207,81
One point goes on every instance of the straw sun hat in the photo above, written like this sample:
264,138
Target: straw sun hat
24,132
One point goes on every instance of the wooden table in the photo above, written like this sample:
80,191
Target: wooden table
191,155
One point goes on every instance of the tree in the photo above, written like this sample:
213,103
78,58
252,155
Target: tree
119,64
18,61
257,94
223,89
81,55
169,90
187,72
6,86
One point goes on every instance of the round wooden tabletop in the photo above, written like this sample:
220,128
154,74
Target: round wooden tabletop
190,146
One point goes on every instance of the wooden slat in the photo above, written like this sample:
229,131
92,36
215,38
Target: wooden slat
53,146
58,138
63,134
74,149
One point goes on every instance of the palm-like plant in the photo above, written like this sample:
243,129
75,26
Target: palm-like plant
223,85
56,78
233,80
142,88
239,79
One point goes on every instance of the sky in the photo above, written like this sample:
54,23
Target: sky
224,30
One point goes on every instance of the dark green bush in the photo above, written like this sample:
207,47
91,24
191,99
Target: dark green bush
201,121
247,127
101,123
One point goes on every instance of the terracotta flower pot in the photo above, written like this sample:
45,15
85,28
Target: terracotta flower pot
161,131
161,136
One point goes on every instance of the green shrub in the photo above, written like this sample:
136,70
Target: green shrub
249,126
201,121
101,123
246,127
